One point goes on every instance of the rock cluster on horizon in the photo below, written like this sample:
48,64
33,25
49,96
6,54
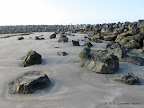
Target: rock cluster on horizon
95,29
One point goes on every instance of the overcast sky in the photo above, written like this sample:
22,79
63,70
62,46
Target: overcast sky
49,12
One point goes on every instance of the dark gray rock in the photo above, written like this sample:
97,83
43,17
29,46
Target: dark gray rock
53,36
31,58
20,38
63,33
30,82
133,31
61,53
63,39
39,38
89,39
103,30
75,43
133,25
98,61
129,79
110,29
56,33
126,23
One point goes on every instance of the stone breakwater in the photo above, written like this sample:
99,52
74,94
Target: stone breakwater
116,28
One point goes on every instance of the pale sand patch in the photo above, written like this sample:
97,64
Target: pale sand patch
73,86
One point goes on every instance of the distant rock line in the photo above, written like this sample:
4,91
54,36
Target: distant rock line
73,28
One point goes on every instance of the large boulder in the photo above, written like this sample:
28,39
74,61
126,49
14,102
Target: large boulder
128,79
31,58
75,43
63,39
30,82
52,36
98,61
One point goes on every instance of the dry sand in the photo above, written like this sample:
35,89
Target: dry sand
72,86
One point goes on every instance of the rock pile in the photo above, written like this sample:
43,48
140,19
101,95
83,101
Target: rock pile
101,30
129,35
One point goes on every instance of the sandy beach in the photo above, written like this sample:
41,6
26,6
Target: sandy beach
72,86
